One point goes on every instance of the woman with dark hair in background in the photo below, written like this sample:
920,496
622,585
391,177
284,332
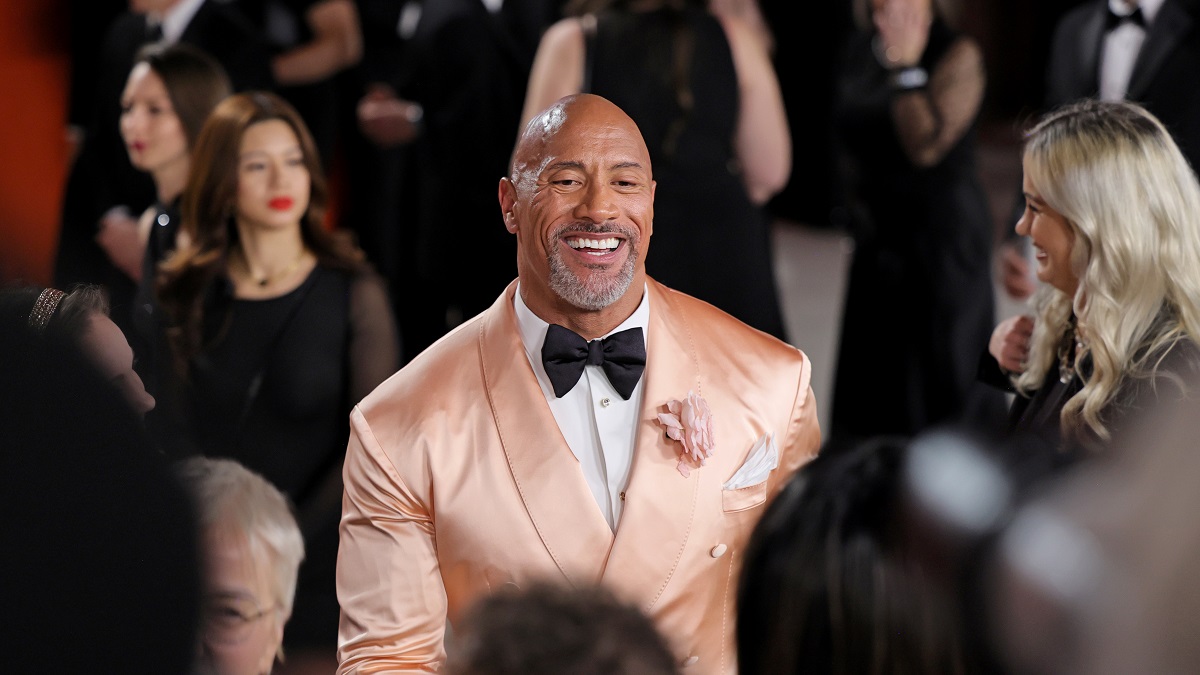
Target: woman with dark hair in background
919,301
277,326
703,92
169,93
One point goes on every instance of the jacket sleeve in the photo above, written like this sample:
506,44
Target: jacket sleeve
389,582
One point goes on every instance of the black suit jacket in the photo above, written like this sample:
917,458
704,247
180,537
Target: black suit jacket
102,176
1165,75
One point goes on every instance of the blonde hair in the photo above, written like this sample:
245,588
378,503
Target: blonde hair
1114,173
226,493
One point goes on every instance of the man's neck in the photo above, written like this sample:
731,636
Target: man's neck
589,324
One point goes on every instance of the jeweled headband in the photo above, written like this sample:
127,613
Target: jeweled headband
44,308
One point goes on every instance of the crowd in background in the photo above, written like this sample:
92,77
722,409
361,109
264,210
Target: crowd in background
273,205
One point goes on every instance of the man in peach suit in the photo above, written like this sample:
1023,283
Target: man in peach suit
523,446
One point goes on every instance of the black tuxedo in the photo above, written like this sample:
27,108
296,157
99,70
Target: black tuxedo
102,176
1165,75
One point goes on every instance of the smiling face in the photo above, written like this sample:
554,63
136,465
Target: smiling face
1053,240
273,180
153,134
242,625
582,205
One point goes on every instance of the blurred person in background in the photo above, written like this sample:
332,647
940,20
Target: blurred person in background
168,96
919,297
703,92
104,191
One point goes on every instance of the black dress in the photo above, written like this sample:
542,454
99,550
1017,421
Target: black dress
274,392
919,302
709,240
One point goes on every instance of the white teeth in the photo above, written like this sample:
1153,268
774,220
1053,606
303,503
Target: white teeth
604,244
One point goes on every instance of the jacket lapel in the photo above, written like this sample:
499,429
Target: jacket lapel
660,502
1169,27
546,472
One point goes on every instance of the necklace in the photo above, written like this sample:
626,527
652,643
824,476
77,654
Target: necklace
268,279
1068,347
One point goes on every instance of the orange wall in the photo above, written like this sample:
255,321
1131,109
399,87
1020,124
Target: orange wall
33,152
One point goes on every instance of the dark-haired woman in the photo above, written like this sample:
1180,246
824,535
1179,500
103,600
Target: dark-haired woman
277,326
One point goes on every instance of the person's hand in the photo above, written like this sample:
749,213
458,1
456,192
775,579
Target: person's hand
386,119
1014,273
903,27
1010,343
119,237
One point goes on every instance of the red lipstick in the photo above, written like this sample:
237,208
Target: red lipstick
281,203
138,146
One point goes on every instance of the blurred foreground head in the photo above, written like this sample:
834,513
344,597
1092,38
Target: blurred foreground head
1098,575
100,559
550,630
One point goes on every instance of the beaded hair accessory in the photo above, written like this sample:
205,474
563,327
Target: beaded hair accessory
44,308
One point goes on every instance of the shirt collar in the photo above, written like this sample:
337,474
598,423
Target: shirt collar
1149,8
533,328
176,19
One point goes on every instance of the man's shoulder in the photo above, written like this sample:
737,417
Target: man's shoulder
443,364
716,331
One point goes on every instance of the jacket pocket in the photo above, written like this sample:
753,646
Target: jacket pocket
744,498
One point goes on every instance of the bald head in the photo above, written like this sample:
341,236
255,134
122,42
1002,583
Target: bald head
570,116
580,201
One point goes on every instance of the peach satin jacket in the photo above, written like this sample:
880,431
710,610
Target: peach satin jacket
458,482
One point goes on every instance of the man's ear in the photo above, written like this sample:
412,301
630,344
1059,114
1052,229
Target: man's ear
508,201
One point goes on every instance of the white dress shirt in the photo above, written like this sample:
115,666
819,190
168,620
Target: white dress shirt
1120,49
599,426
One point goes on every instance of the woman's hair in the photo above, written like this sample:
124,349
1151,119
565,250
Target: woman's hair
208,208
1127,192
195,82
65,314
227,494
829,585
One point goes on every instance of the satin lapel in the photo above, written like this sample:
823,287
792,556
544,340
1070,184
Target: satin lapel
660,503
547,475
1169,27
1091,42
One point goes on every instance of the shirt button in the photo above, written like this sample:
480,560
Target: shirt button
690,661
163,219
622,495
604,402
718,550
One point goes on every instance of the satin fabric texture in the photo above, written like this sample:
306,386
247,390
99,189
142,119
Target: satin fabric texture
458,483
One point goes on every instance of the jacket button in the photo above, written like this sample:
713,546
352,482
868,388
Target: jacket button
718,550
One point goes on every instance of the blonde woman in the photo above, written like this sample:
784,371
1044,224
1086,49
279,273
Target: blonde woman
1113,214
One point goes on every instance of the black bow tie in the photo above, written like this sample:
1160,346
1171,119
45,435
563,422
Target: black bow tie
1112,19
622,356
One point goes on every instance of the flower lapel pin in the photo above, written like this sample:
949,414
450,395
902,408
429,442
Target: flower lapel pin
690,422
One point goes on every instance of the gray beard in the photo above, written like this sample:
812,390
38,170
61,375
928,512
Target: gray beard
595,292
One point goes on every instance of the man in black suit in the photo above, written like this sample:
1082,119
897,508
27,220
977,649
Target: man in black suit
1146,51
101,176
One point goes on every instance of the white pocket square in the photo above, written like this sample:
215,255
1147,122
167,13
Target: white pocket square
763,459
